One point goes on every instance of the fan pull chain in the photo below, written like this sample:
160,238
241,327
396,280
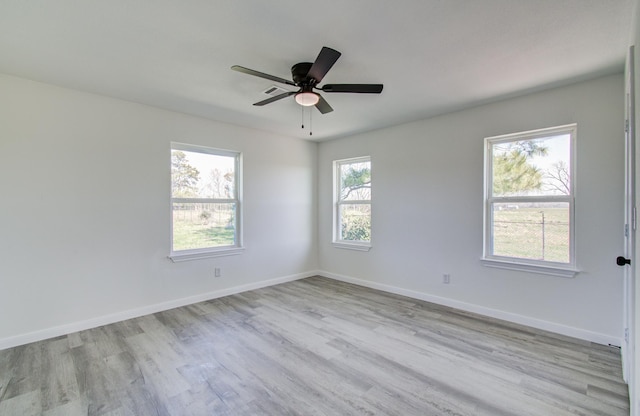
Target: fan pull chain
310,125
302,112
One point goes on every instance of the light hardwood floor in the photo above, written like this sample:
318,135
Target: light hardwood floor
312,347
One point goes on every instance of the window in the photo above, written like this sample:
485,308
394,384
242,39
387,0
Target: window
529,201
352,213
205,202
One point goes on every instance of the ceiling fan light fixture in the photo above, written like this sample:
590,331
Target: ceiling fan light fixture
307,99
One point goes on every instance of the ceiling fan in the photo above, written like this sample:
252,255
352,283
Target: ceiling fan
306,76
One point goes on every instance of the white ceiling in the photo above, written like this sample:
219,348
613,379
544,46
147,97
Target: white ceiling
433,56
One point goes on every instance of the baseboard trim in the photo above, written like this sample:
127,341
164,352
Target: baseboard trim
482,310
57,331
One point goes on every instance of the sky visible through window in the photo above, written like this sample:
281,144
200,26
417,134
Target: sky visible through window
206,164
558,150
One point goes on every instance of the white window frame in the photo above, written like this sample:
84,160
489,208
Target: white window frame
200,253
529,265
337,222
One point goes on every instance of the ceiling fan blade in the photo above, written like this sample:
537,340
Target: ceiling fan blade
276,98
355,88
261,75
323,106
325,60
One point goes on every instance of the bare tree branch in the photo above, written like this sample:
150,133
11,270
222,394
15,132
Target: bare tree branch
366,185
559,178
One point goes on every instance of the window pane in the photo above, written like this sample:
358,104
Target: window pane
199,225
534,231
355,222
532,167
202,175
355,181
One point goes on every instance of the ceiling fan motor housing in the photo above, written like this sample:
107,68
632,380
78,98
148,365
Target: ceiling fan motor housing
299,74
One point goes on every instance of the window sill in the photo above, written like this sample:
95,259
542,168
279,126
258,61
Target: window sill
197,255
532,268
352,246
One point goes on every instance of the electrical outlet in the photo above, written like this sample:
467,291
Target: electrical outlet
446,278
217,272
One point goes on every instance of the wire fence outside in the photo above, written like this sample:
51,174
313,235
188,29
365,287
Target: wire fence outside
522,235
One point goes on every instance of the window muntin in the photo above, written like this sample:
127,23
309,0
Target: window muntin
529,201
205,201
352,213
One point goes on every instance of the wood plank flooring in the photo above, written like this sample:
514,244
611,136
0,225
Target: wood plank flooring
312,347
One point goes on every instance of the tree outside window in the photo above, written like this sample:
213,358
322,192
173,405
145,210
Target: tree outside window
353,201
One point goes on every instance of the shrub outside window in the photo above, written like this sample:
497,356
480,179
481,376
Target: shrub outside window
352,203
529,201
205,202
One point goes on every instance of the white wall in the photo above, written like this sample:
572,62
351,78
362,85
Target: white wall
427,211
84,217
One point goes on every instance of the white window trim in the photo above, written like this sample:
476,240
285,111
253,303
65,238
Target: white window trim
527,265
554,269
358,246
187,255
337,242
209,252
